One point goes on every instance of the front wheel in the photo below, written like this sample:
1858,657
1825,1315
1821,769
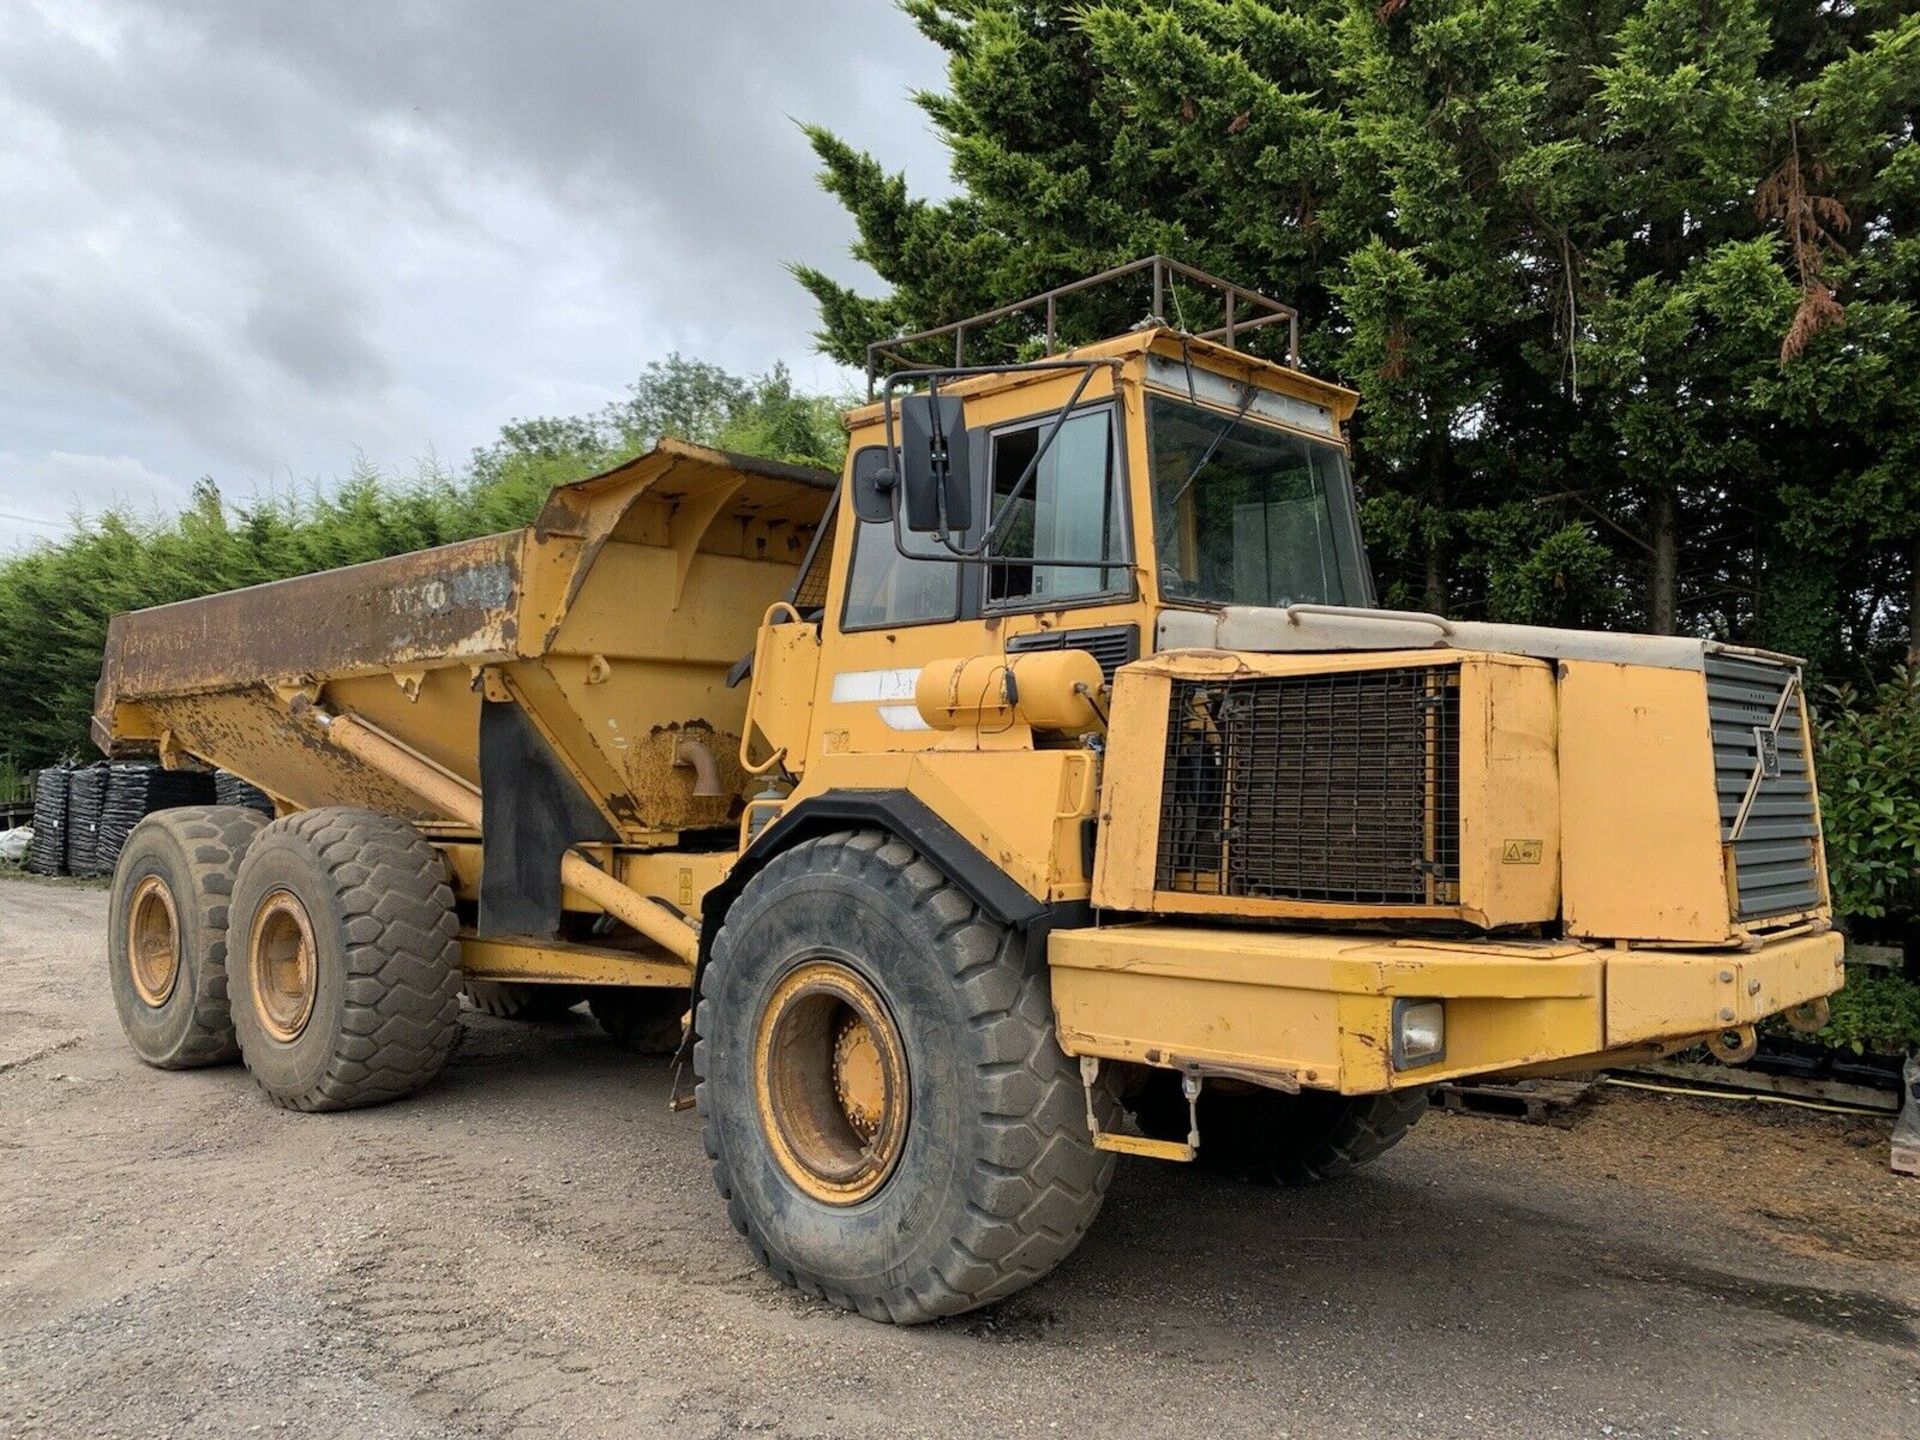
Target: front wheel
641,1018
505,1000
890,1117
1280,1139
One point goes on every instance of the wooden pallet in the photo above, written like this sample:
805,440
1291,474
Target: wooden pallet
1743,1080
1532,1102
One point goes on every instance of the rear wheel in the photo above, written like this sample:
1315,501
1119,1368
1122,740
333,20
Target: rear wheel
346,979
167,933
889,1115
1281,1139
508,1001
645,1020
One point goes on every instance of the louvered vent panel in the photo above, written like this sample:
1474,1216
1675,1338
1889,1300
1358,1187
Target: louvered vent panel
1112,645
1775,868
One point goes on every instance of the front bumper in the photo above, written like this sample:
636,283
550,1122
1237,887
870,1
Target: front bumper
1317,1009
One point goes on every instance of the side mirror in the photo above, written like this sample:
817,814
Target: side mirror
934,466
874,482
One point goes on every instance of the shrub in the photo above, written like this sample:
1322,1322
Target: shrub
1868,752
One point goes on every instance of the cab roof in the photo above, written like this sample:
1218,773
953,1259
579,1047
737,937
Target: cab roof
1163,340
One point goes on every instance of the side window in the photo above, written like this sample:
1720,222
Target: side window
1070,510
885,587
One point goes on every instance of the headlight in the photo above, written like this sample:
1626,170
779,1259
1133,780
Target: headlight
1419,1033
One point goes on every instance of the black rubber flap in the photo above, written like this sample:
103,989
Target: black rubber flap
532,811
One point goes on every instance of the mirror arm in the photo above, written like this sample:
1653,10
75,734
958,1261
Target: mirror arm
995,527
933,377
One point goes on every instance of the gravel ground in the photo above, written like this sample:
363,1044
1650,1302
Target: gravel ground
533,1247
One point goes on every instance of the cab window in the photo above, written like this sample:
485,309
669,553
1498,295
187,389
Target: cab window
885,587
1070,510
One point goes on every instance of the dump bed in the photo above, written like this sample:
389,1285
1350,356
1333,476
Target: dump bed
612,622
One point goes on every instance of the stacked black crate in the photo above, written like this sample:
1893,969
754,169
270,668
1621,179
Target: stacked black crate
86,796
230,789
47,855
135,789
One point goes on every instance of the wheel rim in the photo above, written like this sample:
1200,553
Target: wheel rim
153,941
831,1075
283,966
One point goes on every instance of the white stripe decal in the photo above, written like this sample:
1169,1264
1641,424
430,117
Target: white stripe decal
854,687
903,717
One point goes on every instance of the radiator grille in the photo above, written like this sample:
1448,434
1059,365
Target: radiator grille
1775,868
1342,788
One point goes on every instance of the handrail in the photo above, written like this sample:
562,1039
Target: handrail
1165,271
1364,612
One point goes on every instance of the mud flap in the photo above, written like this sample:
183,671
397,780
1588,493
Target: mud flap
533,811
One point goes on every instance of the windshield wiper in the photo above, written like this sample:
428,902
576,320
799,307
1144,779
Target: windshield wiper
1212,446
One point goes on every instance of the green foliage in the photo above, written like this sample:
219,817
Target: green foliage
56,600
1869,769
1872,1012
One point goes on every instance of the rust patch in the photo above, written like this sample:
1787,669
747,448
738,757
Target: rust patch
455,603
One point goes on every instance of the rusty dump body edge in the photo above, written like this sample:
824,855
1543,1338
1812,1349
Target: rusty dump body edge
456,601
600,618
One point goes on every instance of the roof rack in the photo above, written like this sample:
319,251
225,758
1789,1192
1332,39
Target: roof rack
1266,311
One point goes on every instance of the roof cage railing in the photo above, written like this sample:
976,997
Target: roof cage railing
1265,311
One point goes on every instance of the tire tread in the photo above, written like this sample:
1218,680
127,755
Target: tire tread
401,1017
1038,1188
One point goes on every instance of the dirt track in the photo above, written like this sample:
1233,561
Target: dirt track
533,1247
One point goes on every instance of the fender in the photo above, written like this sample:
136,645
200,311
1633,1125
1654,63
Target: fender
908,818
901,814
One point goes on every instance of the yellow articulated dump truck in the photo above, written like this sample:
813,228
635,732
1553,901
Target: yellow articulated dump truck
1047,785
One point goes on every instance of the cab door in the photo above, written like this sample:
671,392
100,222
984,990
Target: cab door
1064,549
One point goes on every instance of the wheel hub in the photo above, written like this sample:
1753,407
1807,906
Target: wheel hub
283,966
859,1081
153,941
830,1076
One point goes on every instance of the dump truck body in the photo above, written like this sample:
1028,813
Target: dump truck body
1051,764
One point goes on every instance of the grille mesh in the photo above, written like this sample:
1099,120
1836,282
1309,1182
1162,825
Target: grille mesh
810,587
1342,788
1774,862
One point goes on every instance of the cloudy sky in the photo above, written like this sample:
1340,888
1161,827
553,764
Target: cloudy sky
248,238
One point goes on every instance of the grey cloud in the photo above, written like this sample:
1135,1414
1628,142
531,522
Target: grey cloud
273,232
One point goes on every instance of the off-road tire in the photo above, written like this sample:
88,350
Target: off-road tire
644,1019
505,1000
386,1012
196,851
1278,1139
997,1179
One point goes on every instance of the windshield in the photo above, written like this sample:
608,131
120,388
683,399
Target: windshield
1248,515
